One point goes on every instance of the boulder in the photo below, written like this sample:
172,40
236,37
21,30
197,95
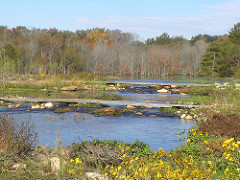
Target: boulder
189,117
139,113
63,110
153,115
111,88
149,107
10,106
237,85
95,176
49,105
55,164
183,116
163,91
110,111
130,107
69,88
36,106
19,166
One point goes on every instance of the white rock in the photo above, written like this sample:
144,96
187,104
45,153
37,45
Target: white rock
162,91
183,116
49,105
19,166
178,112
55,164
95,176
36,107
237,85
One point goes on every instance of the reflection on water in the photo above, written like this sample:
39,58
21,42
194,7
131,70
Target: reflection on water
157,132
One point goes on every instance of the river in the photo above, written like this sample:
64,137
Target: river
159,132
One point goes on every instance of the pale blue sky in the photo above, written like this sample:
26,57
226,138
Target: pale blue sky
145,18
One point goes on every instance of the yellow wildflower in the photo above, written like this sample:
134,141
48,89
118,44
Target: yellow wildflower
78,161
71,171
205,142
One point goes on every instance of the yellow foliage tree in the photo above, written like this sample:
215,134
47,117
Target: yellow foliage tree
97,35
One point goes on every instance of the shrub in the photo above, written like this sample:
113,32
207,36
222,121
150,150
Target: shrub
15,138
108,151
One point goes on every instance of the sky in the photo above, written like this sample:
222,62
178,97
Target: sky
144,18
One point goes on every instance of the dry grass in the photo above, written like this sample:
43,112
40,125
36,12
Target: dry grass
15,138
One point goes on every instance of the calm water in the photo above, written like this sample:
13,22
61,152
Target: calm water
158,131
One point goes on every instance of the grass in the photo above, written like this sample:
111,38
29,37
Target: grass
211,151
197,100
15,138
225,100
203,156
206,80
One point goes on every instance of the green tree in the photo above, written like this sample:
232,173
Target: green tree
209,65
234,34
221,59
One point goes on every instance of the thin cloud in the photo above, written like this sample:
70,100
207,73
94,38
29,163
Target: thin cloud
214,20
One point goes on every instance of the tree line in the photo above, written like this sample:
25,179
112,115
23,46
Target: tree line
222,57
100,51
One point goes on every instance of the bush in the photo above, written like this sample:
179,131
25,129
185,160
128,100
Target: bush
108,151
14,138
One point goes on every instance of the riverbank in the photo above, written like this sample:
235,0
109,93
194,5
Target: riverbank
205,155
211,150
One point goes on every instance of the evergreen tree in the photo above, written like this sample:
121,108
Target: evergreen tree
234,34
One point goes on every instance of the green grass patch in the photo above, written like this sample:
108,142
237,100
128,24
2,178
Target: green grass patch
197,100
170,109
